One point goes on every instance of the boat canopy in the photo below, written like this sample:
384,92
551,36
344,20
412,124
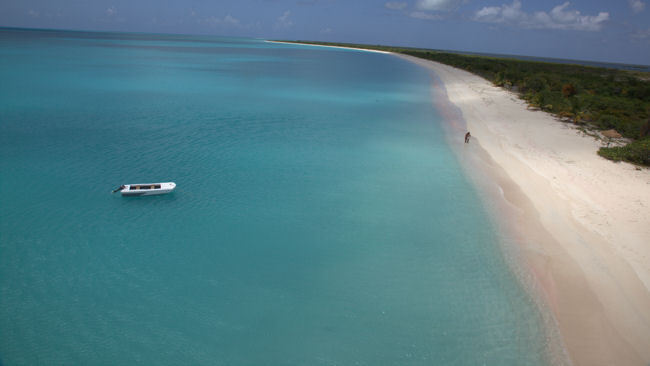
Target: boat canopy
137,187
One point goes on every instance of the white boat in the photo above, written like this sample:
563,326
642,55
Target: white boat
146,189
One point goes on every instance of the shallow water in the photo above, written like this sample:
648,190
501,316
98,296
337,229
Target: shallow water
320,218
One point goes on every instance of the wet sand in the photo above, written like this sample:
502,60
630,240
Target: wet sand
582,223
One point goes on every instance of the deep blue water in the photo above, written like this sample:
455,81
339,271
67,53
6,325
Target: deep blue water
320,218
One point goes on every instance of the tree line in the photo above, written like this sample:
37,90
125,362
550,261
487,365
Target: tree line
595,97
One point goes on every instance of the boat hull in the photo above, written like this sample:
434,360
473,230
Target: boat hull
147,189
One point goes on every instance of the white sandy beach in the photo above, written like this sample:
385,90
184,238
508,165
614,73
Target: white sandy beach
583,221
316,45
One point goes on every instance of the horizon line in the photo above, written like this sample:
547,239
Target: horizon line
636,66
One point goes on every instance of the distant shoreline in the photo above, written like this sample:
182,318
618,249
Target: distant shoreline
578,218
345,48
586,63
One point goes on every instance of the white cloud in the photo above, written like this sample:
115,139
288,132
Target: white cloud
395,5
641,34
227,21
326,31
558,18
111,11
424,16
33,13
425,9
636,5
210,21
438,5
284,21
230,20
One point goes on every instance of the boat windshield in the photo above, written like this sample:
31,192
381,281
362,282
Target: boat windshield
144,186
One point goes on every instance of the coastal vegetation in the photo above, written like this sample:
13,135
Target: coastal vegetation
593,97
635,152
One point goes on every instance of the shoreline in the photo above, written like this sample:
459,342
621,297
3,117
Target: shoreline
344,48
496,191
577,222
576,218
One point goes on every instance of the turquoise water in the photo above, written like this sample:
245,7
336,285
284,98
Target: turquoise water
320,218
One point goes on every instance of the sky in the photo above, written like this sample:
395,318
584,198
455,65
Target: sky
598,30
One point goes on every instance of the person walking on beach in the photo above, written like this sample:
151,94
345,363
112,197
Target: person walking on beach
467,136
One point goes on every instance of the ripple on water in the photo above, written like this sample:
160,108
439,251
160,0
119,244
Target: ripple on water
319,216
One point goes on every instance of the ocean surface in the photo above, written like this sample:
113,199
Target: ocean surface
320,217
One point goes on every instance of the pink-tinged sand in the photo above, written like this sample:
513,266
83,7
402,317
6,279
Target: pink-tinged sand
582,222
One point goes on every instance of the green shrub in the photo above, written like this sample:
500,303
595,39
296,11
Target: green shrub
644,129
607,121
568,90
606,97
637,152
534,83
